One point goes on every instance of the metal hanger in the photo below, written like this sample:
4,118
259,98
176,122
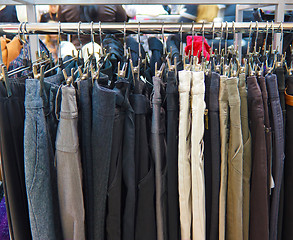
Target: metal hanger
60,61
181,51
159,72
219,56
203,58
164,43
212,55
226,45
40,77
122,72
103,51
135,70
269,68
80,60
69,79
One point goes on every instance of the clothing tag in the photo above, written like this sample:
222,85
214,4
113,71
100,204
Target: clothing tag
272,183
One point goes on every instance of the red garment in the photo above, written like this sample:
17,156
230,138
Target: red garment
197,47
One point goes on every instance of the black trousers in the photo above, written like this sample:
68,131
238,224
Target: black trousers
145,220
259,209
288,168
85,129
207,158
278,151
262,84
158,145
114,207
103,111
128,164
280,72
172,156
12,154
215,158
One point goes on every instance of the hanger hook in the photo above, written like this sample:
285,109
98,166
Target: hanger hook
181,39
78,33
92,36
273,36
100,34
282,33
226,39
59,39
249,39
256,37
192,34
266,38
213,36
234,33
124,39
220,42
202,40
138,40
163,37
19,28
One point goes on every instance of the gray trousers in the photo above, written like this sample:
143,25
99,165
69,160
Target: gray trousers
69,171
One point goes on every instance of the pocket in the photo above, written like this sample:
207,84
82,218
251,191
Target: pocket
117,175
237,160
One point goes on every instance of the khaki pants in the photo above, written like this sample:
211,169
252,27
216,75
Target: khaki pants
231,187
190,155
246,137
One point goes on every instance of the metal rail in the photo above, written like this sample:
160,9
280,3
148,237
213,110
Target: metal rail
85,28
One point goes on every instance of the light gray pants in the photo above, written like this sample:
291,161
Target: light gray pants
69,172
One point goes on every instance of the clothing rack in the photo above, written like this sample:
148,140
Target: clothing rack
85,28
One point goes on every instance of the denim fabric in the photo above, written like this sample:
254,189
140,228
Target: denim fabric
278,151
12,159
172,155
37,165
103,111
259,209
214,125
69,172
145,221
85,117
158,152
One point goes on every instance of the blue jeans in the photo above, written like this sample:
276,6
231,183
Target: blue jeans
37,159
